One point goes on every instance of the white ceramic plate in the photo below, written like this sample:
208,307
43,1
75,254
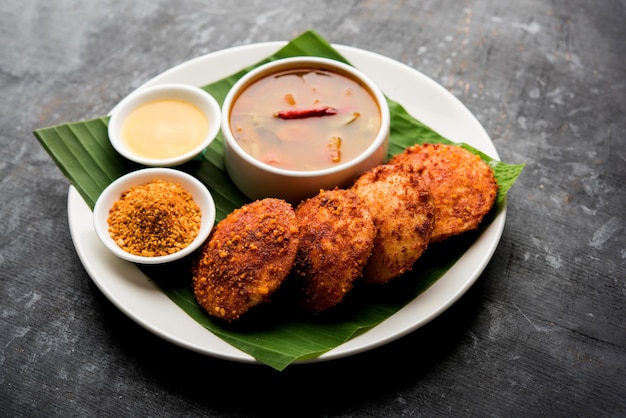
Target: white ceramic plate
139,298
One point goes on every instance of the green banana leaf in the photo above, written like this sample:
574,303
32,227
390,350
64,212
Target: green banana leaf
274,335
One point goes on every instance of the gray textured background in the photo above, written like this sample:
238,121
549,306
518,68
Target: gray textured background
542,332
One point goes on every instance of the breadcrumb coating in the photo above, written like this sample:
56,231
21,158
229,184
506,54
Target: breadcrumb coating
374,231
463,186
336,239
246,259
404,215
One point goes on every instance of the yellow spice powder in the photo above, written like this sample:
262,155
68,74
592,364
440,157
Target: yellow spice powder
154,219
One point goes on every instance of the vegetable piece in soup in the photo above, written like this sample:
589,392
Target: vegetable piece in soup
305,119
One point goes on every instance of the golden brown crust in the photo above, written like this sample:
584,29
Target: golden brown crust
246,259
403,214
336,238
463,186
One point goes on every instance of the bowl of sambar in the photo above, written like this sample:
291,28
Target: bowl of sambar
298,125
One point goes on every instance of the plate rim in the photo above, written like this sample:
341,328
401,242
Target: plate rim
355,345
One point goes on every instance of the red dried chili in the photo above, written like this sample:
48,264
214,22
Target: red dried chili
306,113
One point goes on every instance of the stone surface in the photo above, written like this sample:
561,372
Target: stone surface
541,333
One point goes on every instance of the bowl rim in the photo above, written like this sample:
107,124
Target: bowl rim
293,62
203,100
201,195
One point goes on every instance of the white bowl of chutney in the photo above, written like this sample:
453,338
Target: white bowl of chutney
164,125
297,125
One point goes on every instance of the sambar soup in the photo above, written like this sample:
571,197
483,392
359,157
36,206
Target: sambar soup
305,119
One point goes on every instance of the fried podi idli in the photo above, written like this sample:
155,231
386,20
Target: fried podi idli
336,238
463,186
404,215
247,257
